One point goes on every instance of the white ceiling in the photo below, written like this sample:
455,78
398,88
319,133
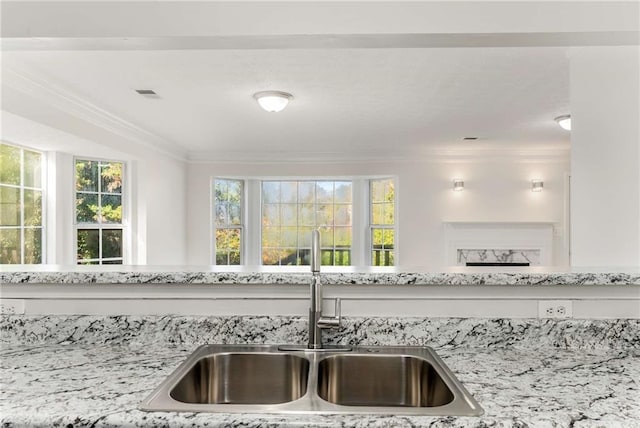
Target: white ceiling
370,79
351,101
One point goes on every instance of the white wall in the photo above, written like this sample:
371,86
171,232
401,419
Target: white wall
605,156
162,206
58,214
495,190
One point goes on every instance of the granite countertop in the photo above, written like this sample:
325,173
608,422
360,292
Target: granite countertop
94,371
531,276
101,386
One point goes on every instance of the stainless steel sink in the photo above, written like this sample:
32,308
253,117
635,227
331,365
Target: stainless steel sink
381,380
265,379
243,378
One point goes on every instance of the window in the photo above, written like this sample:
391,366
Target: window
21,232
99,220
228,221
292,209
382,217
270,222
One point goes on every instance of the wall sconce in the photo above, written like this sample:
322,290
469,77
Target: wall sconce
564,122
458,185
537,185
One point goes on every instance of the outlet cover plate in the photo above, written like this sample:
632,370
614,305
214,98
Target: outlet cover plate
11,306
555,309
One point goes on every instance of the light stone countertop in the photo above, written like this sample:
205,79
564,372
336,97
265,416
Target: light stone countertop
78,371
531,276
101,386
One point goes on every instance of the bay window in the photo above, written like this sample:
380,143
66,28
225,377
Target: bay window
356,219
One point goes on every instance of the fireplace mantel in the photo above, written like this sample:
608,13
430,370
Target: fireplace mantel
534,237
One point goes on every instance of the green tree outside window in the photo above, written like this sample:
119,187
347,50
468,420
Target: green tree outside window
382,198
228,196
99,204
21,203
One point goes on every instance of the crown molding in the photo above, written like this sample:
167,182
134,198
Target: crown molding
327,41
52,94
438,155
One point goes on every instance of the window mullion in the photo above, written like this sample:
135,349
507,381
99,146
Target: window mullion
100,244
22,207
359,222
254,223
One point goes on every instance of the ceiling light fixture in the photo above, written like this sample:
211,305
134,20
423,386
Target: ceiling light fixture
564,121
273,101
458,185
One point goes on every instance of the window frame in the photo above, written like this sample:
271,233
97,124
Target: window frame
315,180
43,202
372,226
251,251
212,218
124,225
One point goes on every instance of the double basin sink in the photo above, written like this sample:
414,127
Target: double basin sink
290,380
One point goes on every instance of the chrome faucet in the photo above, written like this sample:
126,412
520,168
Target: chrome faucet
317,322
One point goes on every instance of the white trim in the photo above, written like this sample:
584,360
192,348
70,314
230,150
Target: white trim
359,222
130,213
567,218
254,222
396,221
212,221
435,155
44,183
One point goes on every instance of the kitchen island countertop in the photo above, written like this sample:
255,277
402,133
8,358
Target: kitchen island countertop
211,275
77,371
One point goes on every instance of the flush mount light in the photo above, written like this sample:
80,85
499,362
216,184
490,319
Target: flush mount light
564,121
458,185
273,101
537,185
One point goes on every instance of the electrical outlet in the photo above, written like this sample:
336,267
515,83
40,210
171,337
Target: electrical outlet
555,309
11,306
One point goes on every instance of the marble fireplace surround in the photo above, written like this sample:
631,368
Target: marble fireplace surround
492,255
499,242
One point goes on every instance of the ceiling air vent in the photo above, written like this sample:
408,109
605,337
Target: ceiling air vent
149,93
469,138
